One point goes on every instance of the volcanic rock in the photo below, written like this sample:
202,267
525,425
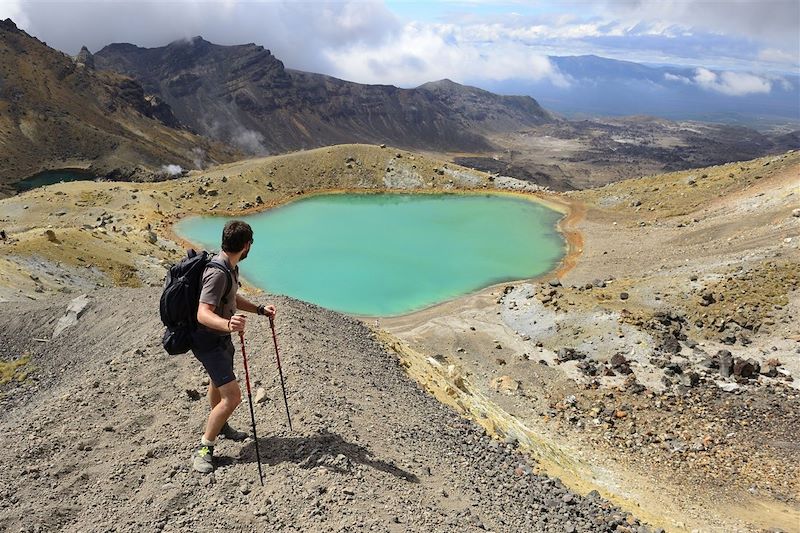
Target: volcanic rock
75,309
725,359
746,368
620,364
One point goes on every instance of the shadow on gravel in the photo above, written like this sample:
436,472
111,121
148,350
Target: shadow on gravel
324,449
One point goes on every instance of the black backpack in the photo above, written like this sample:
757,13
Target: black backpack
181,297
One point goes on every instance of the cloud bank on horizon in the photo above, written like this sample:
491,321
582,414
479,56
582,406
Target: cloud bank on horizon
408,43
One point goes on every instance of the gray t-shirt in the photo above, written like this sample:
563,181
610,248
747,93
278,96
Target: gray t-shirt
213,291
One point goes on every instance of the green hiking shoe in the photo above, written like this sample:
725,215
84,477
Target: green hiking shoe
232,434
203,460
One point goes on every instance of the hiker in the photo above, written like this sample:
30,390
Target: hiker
2,235
217,318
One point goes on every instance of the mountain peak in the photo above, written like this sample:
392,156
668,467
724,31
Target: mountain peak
196,41
247,95
8,24
443,83
85,58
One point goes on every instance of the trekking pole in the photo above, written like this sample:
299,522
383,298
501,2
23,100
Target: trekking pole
280,372
252,414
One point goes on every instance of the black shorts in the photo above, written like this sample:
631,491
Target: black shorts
216,354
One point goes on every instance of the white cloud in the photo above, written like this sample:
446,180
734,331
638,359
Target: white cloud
773,55
731,83
295,32
674,77
427,52
768,20
13,9
364,41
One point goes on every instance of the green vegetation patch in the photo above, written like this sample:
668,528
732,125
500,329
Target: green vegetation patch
14,370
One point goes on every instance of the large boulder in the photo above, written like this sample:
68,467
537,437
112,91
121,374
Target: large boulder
74,311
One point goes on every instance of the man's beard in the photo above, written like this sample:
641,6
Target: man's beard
244,254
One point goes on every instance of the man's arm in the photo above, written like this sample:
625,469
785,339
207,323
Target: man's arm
244,304
213,290
207,317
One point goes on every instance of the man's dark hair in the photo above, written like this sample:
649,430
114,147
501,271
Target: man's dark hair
235,235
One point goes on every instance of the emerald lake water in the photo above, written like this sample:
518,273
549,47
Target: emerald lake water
390,254
50,177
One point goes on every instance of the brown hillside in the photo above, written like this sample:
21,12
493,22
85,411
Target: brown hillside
57,113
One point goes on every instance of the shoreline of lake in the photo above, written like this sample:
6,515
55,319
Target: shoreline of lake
561,227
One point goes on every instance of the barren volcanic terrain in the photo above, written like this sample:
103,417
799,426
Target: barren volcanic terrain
655,370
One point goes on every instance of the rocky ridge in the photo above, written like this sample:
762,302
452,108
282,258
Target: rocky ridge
249,99
57,112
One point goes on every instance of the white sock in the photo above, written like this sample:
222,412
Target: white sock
205,442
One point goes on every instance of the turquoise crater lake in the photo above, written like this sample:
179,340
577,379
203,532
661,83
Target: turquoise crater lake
391,254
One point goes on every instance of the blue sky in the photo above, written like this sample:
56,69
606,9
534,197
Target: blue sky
408,43
736,34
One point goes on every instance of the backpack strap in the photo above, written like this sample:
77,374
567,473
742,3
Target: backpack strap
228,277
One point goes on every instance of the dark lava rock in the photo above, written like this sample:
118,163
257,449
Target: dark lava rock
675,368
587,367
670,344
745,368
744,340
636,388
623,296
569,354
710,363
193,394
690,379
608,371
620,364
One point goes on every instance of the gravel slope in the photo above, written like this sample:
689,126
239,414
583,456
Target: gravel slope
100,436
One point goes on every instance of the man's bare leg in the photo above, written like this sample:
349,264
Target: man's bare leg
230,398
213,395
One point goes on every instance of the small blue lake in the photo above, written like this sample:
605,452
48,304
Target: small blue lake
391,254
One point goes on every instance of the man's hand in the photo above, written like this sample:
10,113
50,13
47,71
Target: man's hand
266,310
237,322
